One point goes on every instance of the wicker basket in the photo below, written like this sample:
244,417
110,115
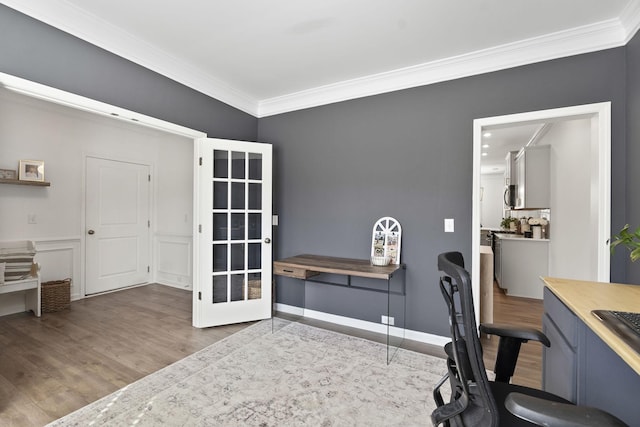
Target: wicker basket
56,296
255,289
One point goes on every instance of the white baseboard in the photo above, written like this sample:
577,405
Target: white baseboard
184,286
363,324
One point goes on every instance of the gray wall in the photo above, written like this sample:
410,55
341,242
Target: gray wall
340,167
633,146
408,154
43,54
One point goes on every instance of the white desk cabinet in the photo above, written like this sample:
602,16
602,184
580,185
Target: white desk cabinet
31,288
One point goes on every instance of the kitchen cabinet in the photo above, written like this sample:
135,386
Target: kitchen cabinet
497,259
533,176
520,263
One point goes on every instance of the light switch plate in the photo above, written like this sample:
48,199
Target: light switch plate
448,225
274,220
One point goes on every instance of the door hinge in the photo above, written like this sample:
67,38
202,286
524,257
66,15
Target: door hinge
200,161
200,296
199,228
149,177
148,223
148,269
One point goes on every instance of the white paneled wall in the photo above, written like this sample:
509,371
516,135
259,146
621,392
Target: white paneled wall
61,259
63,137
174,260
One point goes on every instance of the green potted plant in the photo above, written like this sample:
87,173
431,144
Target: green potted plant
509,223
629,240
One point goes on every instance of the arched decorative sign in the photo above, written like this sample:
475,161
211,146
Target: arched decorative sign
385,241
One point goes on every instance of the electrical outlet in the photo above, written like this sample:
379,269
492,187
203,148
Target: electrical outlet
387,320
31,219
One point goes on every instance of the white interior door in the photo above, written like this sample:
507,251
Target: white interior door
232,239
117,224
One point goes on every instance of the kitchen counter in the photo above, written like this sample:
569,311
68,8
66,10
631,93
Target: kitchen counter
508,236
581,297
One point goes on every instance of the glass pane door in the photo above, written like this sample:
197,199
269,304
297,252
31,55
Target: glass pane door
238,235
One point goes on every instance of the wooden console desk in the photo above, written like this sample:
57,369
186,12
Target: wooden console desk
311,268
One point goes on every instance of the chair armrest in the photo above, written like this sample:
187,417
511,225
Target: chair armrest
518,332
547,413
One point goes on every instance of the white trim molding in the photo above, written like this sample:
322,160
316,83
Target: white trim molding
68,99
75,21
173,260
363,324
630,20
600,149
60,258
589,38
580,40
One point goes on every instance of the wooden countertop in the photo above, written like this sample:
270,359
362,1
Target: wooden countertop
324,264
581,297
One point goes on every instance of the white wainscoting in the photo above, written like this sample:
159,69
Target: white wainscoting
59,259
173,256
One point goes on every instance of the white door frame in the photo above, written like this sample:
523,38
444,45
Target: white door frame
71,100
150,207
600,115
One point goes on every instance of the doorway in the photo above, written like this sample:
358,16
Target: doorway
596,154
117,224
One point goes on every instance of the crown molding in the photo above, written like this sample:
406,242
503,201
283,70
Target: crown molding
68,18
589,38
67,99
630,19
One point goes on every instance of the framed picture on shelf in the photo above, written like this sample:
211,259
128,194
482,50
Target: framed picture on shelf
7,174
31,170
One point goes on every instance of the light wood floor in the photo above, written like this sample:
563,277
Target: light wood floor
53,365
524,312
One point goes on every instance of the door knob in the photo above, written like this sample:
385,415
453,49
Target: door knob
267,240
91,232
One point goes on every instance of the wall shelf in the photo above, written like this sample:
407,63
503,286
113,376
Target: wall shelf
18,182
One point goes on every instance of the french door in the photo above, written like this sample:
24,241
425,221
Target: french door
232,236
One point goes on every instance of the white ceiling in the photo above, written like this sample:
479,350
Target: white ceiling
498,141
270,56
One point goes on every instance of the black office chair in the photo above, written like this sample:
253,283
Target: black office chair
475,401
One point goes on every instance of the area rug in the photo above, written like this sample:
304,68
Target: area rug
296,376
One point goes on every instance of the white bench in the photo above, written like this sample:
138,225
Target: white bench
31,286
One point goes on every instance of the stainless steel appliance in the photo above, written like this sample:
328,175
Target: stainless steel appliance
510,195
510,181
